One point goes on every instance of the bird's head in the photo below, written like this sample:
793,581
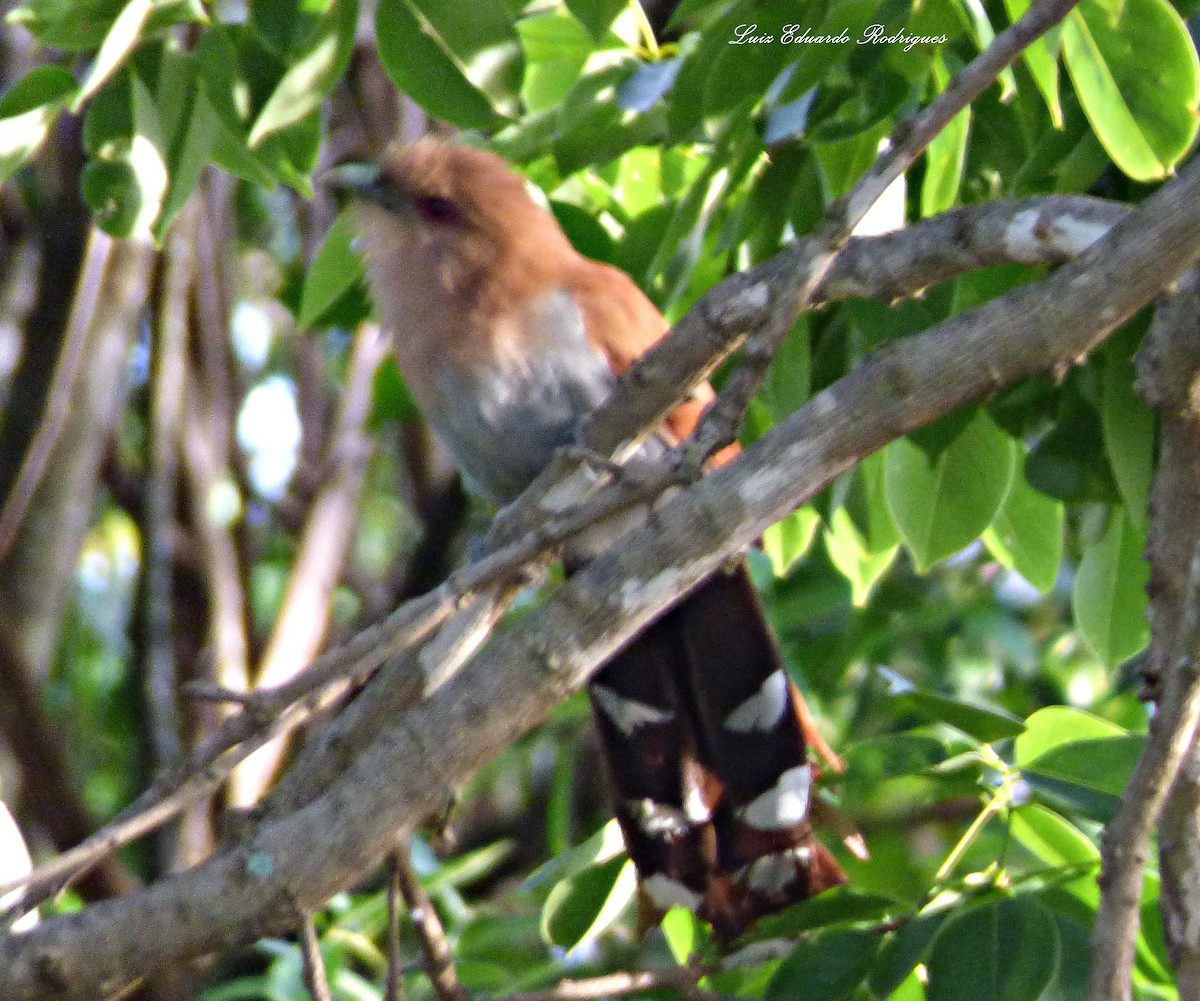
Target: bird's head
449,215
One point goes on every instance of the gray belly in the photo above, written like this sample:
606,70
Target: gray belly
503,428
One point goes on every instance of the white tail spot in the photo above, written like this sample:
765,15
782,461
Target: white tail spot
784,804
763,709
665,893
628,714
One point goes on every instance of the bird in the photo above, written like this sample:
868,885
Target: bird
507,337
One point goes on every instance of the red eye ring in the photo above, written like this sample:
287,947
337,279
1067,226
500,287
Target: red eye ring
437,210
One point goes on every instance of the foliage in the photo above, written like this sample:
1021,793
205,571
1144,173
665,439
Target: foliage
957,608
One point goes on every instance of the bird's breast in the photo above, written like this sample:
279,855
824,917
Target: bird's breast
503,412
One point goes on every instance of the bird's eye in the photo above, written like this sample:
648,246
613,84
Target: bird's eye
438,211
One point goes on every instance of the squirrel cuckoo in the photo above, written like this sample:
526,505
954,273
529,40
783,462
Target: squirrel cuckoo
507,336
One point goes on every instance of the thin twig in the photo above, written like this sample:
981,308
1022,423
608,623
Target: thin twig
616,985
58,402
313,964
439,960
394,991
166,411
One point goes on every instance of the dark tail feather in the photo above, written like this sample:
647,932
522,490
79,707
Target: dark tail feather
705,737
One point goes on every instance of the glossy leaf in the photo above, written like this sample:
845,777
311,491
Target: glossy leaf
334,270
311,74
556,50
946,156
1109,600
1054,726
981,722
27,110
1142,109
1128,426
788,540
862,540
461,62
81,25
1027,534
837,906
942,506
902,950
1002,950
119,43
1103,765
1042,59
596,15
585,905
826,967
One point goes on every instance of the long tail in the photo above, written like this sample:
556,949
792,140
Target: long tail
705,737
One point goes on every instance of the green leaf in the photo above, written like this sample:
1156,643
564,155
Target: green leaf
893,754
1027,534
334,270
461,62
1003,950
604,845
1142,109
861,539
1102,765
80,25
593,127
1109,600
826,967
1042,59
946,155
981,722
191,126
903,950
840,905
1058,843
121,40
1054,726
942,506
850,552
579,909
312,74
27,110
685,933
788,540
124,188
983,33
1128,425
556,50
596,15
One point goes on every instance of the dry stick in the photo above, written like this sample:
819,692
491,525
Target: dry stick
1040,230
303,620
58,402
614,985
1124,844
439,961
313,964
394,990
166,410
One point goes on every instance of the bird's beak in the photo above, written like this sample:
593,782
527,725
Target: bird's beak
365,181
359,179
